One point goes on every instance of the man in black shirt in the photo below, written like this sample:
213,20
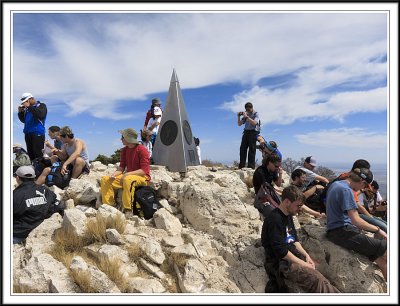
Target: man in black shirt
270,171
32,204
285,257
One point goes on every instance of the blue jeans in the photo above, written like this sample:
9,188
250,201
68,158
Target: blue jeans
375,221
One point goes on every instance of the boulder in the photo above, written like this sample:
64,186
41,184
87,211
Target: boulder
165,220
75,220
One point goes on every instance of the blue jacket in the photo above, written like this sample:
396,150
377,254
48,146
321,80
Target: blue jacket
34,118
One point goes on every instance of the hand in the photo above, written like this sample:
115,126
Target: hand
21,108
114,176
47,143
55,151
319,187
64,169
322,215
382,233
310,261
280,170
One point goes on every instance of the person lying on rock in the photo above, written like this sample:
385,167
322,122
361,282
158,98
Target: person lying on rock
31,204
285,258
344,224
133,170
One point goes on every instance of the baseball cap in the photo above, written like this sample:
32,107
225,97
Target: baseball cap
25,96
130,135
25,172
157,111
365,174
311,160
155,101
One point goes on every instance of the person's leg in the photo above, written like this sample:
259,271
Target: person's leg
309,279
37,145
29,146
107,189
79,164
128,185
17,240
382,264
252,141
243,150
375,221
41,179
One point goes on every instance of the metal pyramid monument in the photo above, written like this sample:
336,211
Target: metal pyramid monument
174,146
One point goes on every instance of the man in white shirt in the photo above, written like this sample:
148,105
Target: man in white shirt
154,124
310,163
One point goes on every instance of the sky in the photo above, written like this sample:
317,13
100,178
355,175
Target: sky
318,80
317,74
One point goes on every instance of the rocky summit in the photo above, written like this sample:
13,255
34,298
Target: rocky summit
205,239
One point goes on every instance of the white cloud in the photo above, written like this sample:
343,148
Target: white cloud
104,60
344,138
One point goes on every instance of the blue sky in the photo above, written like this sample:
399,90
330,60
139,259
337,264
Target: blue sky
318,80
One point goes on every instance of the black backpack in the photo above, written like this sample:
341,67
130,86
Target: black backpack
39,164
56,178
266,199
145,202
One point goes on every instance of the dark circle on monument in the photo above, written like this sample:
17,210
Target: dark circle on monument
187,131
169,132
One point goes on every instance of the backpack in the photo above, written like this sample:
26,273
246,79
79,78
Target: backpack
145,202
266,199
55,177
315,202
39,164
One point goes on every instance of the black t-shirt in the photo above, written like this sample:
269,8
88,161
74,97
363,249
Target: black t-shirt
278,234
262,175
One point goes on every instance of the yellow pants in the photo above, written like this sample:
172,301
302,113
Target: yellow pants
108,187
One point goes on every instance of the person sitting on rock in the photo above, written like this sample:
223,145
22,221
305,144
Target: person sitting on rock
31,204
270,171
21,157
74,155
298,177
362,211
285,258
145,136
308,167
133,170
344,223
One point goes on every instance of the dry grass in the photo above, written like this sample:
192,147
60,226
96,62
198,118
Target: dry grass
96,229
83,281
134,251
210,163
17,288
180,259
114,272
119,223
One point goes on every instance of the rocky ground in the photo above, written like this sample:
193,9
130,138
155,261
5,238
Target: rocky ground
205,239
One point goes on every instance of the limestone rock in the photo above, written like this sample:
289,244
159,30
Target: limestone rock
144,285
44,274
74,220
113,237
164,220
152,249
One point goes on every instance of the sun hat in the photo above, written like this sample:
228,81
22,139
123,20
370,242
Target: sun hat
157,111
130,135
25,96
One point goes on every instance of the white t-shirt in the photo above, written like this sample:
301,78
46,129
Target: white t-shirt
198,153
151,121
310,175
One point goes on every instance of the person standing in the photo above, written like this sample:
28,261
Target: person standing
251,123
33,114
155,102
154,124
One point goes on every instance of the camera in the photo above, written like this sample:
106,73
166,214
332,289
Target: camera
261,146
240,113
